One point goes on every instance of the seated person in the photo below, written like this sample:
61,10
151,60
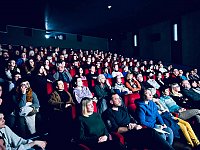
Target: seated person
144,84
175,78
106,73
184,114
178,97
62,73
116,71
117,119
132,84
167,78
102,90
80,73
147,114
159,79
194,86
91,76
125,71
172,121
30,67
181,75
27,105
11,69
120,88
152,81
60,113
188,92
13,141
81,91
92,130
193,75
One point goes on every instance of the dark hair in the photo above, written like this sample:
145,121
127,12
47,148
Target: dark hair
163,88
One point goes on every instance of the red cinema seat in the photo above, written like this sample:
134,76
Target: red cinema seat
66,86
93,82
72,72
85,83
99,71
145,78
49,88
95,106
158,93
123,80
109,81
129,100
86,71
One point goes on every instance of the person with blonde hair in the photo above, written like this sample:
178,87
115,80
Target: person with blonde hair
178,96
185,127
92,130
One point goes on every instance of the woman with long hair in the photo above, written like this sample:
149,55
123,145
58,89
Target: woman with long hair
132,84
92,130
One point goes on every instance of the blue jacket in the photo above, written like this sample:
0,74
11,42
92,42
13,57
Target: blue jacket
147,114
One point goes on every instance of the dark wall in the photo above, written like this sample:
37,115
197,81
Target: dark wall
3,37
16,36
191,39
155,42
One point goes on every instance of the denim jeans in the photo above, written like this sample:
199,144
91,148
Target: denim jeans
168,137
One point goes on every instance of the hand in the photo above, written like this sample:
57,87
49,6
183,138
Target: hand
138,127
1,101
155,100
67,105
41,144
134,79
163,126
182,110
23,89
95,99
102,139
131,126
49,80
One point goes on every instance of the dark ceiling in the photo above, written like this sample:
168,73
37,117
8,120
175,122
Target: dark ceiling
92,17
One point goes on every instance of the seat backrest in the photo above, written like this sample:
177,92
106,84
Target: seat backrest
129,101
144,78
49,88
66,86
123,80
120,69
99,71
86,71
110,81
85,83
72,72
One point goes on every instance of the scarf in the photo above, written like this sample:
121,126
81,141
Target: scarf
29,94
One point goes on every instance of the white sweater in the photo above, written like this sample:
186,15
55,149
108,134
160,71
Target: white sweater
13,141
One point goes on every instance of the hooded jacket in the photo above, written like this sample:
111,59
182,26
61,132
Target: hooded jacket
148,114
